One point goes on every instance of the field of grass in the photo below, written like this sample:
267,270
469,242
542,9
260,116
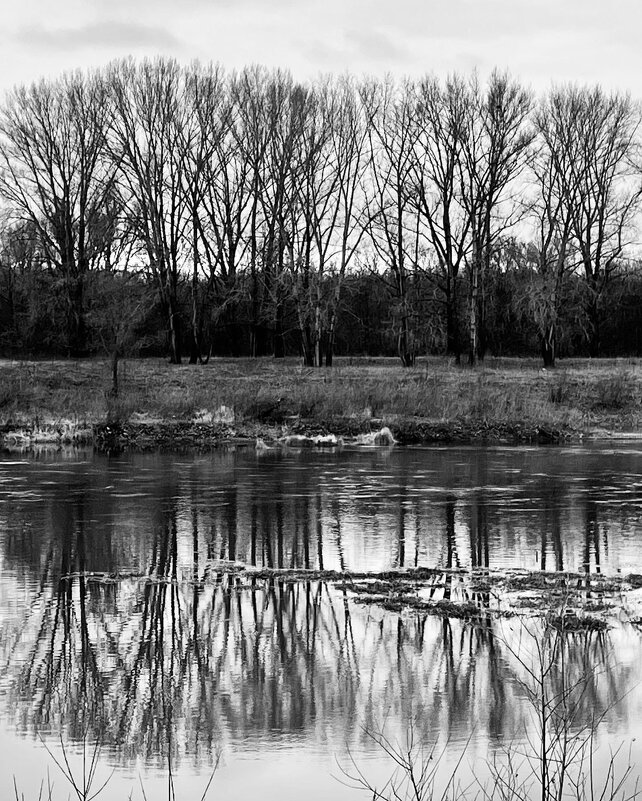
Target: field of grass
579,395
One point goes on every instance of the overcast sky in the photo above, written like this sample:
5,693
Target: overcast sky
540,41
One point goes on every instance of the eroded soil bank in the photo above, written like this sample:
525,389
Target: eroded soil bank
181,435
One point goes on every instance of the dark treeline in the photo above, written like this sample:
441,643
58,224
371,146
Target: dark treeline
161,208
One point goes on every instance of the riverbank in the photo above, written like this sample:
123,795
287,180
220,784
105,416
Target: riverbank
277,402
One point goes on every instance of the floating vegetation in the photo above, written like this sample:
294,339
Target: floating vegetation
569,601
570,621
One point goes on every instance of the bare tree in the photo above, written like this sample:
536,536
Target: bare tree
54,176
591,140
336,210
147,142
496,141
210,192
250,137
265,133
551,254
350,145
286,109
309,192
392,223
326,214
119,303
20,258
441,124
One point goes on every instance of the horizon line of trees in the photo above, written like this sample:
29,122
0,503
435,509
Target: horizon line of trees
159,206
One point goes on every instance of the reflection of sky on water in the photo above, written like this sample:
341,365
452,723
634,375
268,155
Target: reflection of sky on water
287,676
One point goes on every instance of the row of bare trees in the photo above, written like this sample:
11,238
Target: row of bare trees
196,179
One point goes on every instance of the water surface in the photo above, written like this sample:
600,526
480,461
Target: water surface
118,625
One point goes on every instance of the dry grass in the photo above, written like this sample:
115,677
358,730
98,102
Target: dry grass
579,394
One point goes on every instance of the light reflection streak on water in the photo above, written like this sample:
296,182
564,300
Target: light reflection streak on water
251,668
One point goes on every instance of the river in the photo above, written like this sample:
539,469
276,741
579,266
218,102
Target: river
123,624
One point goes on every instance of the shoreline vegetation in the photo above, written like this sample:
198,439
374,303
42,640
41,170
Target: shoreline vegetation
269,403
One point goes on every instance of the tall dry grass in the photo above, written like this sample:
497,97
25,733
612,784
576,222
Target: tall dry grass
500,391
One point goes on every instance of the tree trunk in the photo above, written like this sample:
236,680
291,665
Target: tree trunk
114,373
453,347
329,340
308,347
594,334
279,339
174,333
333,314
257,346
279,342
194,349
195,339
472,314
194,344
482,344
318,326
406,347
260,345
329,351
76,329
548,347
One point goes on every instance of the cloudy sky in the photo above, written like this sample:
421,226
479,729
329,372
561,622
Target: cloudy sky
540,41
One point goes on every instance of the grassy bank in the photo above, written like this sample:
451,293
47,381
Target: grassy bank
510,399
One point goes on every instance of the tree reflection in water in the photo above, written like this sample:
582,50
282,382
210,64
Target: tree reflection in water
137,632
169,668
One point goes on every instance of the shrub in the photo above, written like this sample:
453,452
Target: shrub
616,392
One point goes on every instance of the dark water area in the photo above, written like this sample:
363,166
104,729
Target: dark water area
119,625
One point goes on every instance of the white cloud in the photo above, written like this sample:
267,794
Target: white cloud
106,34
541,42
